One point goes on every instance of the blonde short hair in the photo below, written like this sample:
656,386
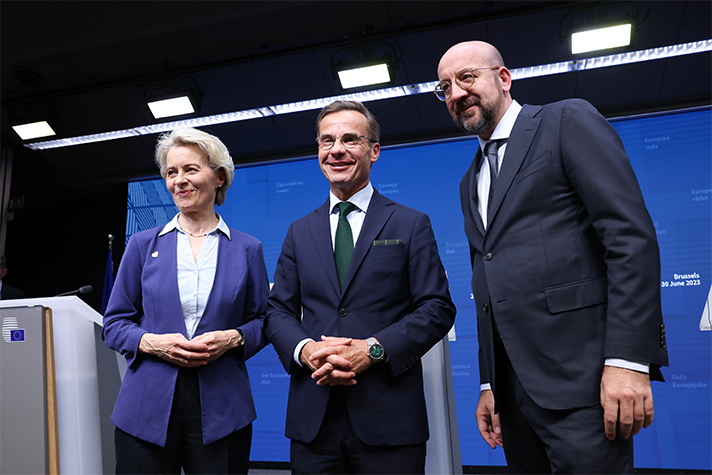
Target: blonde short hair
215,151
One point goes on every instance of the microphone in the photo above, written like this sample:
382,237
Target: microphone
81,290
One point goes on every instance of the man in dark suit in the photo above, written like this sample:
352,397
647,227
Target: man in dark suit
566,274
7,292
351,333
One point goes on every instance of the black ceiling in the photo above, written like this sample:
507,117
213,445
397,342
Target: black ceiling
90,60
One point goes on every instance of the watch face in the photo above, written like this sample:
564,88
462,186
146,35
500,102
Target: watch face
376,351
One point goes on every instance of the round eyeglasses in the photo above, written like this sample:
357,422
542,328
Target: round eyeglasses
465,79
327,142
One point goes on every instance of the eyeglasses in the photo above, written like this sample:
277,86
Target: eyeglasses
465,79
327,142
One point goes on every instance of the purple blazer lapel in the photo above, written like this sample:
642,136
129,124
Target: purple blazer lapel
161,271
222,285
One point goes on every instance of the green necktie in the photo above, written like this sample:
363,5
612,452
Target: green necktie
344,242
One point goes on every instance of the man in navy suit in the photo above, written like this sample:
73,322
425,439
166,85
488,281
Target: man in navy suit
352,338
566,273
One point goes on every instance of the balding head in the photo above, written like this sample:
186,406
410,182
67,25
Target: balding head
479,101
477,50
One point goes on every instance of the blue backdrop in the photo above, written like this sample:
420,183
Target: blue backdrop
672,157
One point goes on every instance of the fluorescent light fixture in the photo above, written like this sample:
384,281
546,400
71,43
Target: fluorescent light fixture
663,52
170,107
365,76
601,38
34,130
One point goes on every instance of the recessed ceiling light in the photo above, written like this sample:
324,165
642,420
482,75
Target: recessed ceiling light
171,107
601,38
365,76
34,130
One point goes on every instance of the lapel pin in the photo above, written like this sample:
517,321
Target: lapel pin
155,254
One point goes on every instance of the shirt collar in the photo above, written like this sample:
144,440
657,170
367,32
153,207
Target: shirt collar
173,224
361,198
505,125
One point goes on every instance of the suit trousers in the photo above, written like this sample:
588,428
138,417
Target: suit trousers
338,450
184,445
538,440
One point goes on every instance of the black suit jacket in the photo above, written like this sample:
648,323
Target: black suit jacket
396,290
569,265
11,293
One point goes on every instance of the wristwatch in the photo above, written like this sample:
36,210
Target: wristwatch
242,339
375,350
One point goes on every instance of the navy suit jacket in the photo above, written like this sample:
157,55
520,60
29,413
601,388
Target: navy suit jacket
11,293
569,264
145,298
396,290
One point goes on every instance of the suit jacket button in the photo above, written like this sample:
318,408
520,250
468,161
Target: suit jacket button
488,256
343,312
485,308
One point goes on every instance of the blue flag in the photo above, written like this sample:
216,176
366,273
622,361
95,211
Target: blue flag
17,334
108,281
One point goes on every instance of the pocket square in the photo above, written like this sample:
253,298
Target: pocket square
387,242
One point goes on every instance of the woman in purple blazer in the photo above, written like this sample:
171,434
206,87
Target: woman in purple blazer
186,311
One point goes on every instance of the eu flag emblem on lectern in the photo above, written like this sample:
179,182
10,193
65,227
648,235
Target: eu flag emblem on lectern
17,335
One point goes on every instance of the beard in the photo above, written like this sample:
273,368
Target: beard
475,126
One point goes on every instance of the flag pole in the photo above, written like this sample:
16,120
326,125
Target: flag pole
108,277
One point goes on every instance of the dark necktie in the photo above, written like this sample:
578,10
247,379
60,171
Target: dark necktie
491,149
344,242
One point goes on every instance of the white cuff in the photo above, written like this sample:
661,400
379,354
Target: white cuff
298,350
632,365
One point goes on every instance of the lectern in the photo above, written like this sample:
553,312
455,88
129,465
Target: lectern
47,431
444,444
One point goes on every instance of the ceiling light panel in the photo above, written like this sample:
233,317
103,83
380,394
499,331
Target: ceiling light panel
366,76
601,38
34,130
171,107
